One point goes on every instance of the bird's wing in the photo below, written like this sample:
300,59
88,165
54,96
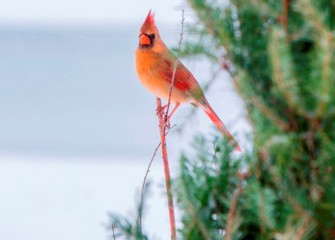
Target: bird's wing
183,79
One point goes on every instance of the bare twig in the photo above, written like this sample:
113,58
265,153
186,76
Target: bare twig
147,173
284,17
175,65
162,127
212,79
163,123
145,180
227,66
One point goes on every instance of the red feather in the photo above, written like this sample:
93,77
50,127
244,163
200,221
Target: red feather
219,124
150,20
183,78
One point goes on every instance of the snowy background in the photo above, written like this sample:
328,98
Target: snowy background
77,130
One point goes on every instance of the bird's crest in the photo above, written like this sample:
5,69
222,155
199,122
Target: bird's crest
149,23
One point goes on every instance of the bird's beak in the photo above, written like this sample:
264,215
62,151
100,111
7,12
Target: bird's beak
144,39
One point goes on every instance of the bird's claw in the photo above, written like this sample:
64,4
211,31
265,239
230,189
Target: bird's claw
167,121
160,110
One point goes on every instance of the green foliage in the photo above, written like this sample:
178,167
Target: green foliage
126,228
205,188
284,67
281,57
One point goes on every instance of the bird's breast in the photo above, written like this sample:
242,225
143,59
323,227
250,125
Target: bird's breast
148,67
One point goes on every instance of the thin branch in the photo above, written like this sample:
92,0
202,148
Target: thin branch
175,65
144,182
306,226
147,173
232,214
326,49
162,127
284,17
212,79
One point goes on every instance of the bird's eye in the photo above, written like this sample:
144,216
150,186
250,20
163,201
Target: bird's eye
151,36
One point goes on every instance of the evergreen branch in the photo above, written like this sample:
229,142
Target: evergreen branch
326,52
260,105
264,8
283,75
267,112
306,226
205,12
201,226
312,16
297,230
232,214
197,221
278,181
240,93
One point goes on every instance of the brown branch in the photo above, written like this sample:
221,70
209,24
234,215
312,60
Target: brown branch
162,127
305,227
145,180
284,18
232,214
147,173
163,120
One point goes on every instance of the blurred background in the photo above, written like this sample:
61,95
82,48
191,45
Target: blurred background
77,130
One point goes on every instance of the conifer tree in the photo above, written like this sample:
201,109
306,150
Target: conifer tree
281,58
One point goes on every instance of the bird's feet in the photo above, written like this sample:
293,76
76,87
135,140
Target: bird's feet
167,121
167,118
161,109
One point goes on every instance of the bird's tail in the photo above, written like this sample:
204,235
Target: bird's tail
219,124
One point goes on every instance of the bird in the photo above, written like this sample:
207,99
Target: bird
157,67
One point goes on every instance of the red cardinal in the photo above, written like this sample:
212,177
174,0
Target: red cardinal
155,65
